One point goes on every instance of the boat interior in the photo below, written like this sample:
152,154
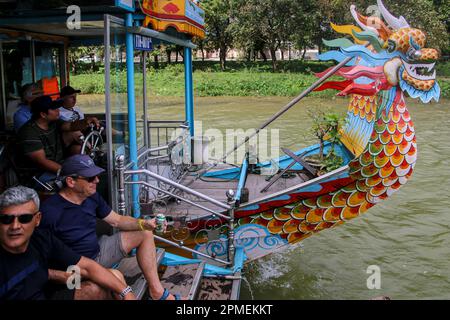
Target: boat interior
154,171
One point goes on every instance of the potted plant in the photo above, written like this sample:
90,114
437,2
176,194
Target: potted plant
325,127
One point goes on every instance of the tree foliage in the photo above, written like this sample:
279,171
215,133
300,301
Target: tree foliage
219,18
258,25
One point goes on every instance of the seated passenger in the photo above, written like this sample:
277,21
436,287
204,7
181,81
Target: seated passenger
70,112
23,114
25,254
71,215
40,150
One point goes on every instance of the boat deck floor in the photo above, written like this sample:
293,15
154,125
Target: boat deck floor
216,188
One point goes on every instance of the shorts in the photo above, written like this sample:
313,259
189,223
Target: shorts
111,250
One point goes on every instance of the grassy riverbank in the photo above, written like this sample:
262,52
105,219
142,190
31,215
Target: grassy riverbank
240,79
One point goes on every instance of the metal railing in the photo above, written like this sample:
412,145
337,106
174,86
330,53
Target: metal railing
160,132
124,173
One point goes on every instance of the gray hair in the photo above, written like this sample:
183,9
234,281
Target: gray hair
27,91
18,195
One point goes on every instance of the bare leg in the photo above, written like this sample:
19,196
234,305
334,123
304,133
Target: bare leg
146,257
91,291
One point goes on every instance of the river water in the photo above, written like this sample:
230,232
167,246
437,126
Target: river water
407,236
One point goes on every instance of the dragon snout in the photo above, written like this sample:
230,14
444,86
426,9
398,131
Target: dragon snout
428,54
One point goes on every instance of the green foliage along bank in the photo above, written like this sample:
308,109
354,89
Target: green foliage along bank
240,79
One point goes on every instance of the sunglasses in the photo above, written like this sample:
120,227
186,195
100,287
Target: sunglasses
23,218
88,179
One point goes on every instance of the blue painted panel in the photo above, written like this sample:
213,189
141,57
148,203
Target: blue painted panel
194,12
143,43
284,161
171,259
126,4
242,178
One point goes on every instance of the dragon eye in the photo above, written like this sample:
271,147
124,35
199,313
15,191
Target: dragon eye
392,46
413,54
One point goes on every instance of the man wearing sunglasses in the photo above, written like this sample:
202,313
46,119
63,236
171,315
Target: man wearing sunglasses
72,216
25,254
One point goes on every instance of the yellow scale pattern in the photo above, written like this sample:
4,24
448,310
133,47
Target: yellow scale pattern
384,166
365,108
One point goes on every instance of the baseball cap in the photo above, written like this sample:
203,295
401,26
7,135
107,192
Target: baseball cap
80,165
43,104
67,91
31,90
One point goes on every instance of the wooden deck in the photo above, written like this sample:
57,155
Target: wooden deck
187,280
217,188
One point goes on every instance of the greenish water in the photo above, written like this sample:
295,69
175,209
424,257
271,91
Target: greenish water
407,236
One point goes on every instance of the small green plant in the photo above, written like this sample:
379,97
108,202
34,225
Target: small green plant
326,127
331,161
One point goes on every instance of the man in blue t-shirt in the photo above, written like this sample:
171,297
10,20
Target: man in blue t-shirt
72,215
25,255
29,92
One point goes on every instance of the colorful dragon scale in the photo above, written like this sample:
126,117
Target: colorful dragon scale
379,130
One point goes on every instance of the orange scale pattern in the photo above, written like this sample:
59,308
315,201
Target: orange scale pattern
381,169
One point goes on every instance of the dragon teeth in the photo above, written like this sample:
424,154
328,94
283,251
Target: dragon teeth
411,69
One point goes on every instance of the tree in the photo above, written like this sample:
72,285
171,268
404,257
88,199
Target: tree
270,24
430,16
219,19
201,45
261,20
305,24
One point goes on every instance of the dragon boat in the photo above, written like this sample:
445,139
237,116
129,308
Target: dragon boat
220,216
380,62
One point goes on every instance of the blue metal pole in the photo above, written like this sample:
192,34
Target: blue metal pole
189,89
242,178
132,113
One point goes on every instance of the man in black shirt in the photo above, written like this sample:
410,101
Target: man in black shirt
40,147
25,253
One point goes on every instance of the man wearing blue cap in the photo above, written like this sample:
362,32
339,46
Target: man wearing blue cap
72,215
40,149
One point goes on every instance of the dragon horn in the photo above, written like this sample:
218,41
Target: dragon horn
395,23
362,25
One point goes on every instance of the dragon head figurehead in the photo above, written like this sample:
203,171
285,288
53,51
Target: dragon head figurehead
386,54
414,68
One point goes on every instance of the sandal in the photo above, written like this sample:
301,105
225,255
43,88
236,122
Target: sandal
166,294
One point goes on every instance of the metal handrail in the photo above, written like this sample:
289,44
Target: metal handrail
166,121
168,126
179,197
181,246
122,206
179,186
156,149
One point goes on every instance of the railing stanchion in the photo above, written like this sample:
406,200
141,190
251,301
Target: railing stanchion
120,164
232,204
